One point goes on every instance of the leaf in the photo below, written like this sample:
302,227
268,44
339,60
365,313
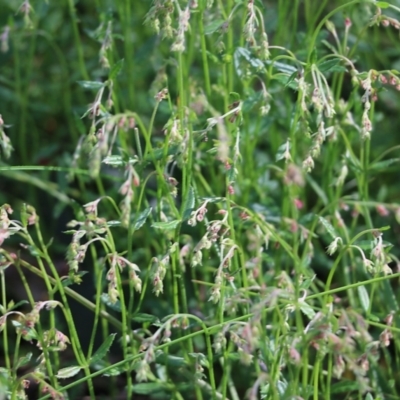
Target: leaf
328,227
143,317
383,164
68,372
318,190
251,101
103,349
283,150
115,371
307,310
105,299
283,67
70,281
23,361
382,4
116,69
189,204
241,54
170,360
114,161
364,297
286,80
166,226
149,387
141,219
17,305
291,78
213,26
92,85
344,387
331,65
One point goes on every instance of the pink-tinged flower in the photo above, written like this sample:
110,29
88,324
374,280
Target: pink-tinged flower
382,210
298,203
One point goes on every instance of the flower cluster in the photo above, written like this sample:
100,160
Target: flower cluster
117,264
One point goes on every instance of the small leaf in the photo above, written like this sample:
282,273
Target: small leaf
283,151
91,85
70,281
141,219
291,78
142,317
171,361
328,227
17,305
166,226
283,67
331,65
68,372
148,387
307,310
103,349
189,204
114,161
23,360
105,299
317,188
382,4
344,387
213,26
115,371
383,164
116,69
364,298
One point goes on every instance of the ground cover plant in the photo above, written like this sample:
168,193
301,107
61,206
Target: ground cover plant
199,199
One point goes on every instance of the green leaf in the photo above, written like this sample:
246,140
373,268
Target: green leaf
170,360
149,387
317,189
332,65
307,310
283,67
115,371
68,372
103,349
70,281
143,317
369,396
286,80
328,227
364,297
92,85
213,26
17,305
141,219
114,161
383,164
166,226
251,101
291,78
344,387
282,151
105,299
189,204
116,69
382,4
23,361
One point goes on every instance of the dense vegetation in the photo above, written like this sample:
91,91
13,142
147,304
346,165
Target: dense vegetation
199,199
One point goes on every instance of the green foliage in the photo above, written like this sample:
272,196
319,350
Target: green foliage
199,199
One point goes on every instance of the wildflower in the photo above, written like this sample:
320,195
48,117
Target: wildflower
308,164
334,245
